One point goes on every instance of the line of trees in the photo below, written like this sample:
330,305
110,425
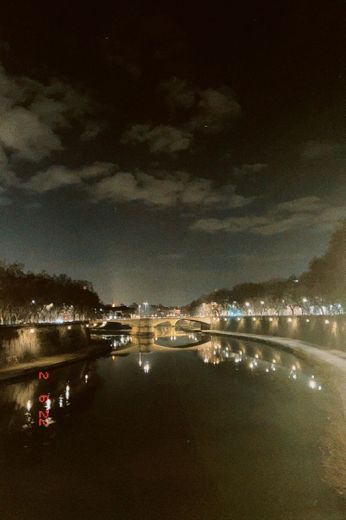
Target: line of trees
321,289
29,297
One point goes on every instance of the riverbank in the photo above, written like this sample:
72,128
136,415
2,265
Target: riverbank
50,362
326,332
334,358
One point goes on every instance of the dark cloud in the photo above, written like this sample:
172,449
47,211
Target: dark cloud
205,108
249,169
215,108
91,130
206,111
178,93
56,177
27,137
169,190
159,138
303,204
288,216
4,199
32,114
321,149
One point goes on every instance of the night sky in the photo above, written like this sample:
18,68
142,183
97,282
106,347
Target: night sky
165,150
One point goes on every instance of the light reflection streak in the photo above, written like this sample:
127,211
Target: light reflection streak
216,354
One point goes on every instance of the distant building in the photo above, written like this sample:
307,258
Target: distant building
111,312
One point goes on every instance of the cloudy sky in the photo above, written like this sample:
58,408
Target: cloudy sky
164,152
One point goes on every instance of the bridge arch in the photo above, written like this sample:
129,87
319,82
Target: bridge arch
203,322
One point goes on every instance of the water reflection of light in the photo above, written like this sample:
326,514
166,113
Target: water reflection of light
217,353
61,401
48,404
86,377
29,405
146,367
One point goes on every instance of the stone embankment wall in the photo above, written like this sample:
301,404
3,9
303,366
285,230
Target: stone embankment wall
328,332
21,344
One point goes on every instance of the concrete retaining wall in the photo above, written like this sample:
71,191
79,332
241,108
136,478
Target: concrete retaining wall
21,344
328,332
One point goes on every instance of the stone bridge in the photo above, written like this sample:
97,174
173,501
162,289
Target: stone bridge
146,326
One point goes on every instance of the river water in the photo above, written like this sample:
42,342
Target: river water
227,430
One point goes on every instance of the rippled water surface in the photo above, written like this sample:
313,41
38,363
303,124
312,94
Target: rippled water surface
227,430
